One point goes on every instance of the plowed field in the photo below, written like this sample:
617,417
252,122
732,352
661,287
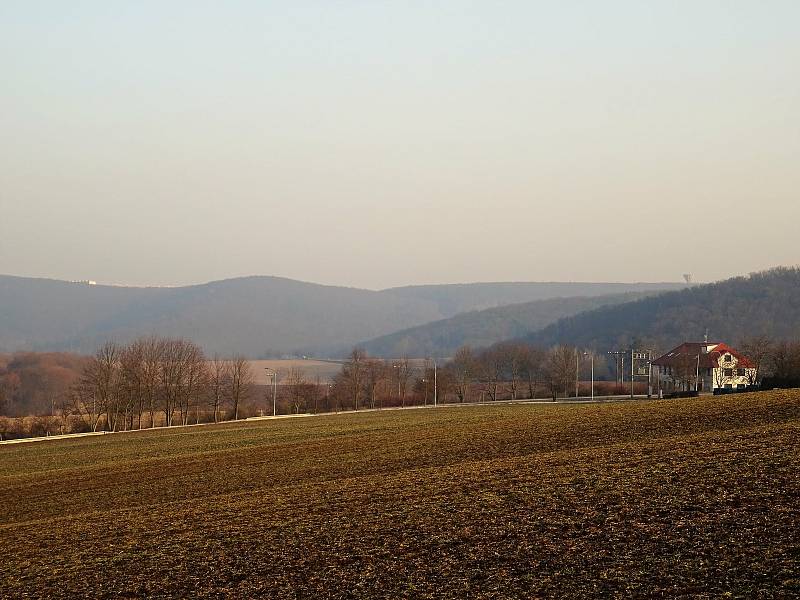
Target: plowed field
694,498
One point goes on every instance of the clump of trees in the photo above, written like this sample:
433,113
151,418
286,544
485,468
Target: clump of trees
505,371
31,383
514,371
777,363
158,381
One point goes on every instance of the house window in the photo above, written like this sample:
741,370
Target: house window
728,358
741,372
728,386
727,372
740,386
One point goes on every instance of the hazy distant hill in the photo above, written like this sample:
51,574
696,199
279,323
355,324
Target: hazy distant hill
488,326
452,299
253,315
762,303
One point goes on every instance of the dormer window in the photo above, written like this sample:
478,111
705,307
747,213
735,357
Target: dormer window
728,358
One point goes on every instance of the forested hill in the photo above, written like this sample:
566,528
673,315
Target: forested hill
453,299
486,327
255,316
764,303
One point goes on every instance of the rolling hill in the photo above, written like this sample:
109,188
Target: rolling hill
452,299
486,327
256,316
764,303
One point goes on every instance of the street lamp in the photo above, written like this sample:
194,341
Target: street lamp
398,384
591,356
274,374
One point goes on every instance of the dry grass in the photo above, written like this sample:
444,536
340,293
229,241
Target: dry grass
679,498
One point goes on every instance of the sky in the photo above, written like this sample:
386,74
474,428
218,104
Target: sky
376,143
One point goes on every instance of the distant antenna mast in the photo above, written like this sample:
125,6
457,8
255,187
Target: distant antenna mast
687,277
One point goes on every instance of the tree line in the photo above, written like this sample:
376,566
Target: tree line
504,371
156,381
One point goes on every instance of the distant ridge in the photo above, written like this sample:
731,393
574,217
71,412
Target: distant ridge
256,316
763,303
485,327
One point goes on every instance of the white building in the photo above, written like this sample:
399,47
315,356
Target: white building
703,366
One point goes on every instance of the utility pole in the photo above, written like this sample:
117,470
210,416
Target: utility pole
619,364
576,372
274,375
631,373
591,357
435,386
697,375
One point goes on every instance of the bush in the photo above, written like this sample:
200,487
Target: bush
76,424
36,426
6,426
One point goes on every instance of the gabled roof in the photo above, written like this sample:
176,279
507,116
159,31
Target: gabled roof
689,351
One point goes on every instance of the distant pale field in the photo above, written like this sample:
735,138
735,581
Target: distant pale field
326,370
310,368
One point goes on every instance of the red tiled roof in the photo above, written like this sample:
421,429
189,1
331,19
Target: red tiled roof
708,360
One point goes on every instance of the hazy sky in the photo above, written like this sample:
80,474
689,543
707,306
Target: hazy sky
373,143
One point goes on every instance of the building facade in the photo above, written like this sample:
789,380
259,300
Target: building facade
703,366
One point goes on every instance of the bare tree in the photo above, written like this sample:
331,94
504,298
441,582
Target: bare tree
758,350
512,357
684,371
240,383
152,353
403,375
195,381
132,381
463,369
85,403
316,393
376,373
171,377
533,367
100,386
218,383
490,366
353,375
561,368
297,388
784,362
423,386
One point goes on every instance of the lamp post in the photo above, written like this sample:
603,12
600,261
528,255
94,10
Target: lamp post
591,356
435,386
697,375
576,372
274,374
403,401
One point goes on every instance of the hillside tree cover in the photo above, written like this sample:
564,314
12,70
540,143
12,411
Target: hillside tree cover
763,304
481,328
